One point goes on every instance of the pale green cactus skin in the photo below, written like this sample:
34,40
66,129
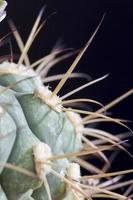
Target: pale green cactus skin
29,121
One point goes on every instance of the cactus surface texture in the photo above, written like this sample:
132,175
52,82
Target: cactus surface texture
44,142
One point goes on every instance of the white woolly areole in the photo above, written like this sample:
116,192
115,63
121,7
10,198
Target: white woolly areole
45,94
73,171
76,120
12,68
74,175
41,153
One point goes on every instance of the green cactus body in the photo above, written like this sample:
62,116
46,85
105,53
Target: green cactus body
32,121
21,153
38,113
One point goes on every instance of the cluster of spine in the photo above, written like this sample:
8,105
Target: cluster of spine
42,142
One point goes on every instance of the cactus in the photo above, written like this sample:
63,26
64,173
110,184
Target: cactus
42,142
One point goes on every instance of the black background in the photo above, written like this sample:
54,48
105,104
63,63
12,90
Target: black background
110,52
